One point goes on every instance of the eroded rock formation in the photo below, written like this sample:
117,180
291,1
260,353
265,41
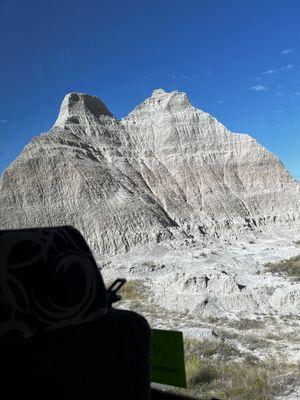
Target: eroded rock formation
167,169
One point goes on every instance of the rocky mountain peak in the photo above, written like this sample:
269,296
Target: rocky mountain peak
162,101
79,108
167,169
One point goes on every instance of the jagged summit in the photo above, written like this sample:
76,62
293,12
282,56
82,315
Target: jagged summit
76,108
169,102
161,94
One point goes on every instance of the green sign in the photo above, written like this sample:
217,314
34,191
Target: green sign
167,358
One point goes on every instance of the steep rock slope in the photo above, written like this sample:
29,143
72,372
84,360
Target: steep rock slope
167,169
77,174
207,177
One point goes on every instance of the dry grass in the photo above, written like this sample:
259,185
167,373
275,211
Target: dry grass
245,381
247,324
133,290
289,267
274,336
213,320
255,342
211,349
248,379
233,376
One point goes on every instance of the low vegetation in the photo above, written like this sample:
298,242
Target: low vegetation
148,264
247,324
211,349
134,290
253,342
233,380
240,378
289,267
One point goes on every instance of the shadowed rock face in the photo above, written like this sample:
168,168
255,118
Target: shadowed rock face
167,169
80,108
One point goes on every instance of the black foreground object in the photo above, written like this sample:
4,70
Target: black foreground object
58,338
48,279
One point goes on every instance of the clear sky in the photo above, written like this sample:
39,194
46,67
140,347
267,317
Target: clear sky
236,59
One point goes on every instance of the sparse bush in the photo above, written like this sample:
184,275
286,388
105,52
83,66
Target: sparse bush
274,336
133,290
289,267
248,379
242,378
211,349
148,264
255,342
251,359
212,320
228,334
246,324
248,382
199,372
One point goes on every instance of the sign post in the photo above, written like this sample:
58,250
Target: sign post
167,358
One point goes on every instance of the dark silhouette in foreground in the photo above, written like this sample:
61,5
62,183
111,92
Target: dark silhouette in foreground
59,340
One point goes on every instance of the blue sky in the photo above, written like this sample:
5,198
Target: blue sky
237,59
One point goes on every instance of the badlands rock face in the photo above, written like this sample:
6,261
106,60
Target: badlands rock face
79,173
205,176
167,170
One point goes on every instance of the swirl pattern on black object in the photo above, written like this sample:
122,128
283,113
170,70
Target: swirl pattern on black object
48,279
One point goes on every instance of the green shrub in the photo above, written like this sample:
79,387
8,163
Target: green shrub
199,372
289,267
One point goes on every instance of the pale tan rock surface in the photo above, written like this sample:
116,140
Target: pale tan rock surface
167,170
77,174
207,177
